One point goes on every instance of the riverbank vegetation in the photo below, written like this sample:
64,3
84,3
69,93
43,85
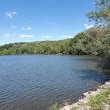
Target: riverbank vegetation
55,107
100,101
96,102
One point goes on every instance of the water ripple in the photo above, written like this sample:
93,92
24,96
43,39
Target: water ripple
35,82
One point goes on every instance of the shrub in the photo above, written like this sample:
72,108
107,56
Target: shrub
105,61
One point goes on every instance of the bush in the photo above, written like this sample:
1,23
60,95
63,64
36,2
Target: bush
105,61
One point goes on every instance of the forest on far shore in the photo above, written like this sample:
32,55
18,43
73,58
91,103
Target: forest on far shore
94,41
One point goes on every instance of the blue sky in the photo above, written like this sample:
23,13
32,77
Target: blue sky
36,20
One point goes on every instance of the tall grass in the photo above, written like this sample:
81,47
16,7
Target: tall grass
54,107
96,101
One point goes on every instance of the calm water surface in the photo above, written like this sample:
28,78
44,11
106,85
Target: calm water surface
35,82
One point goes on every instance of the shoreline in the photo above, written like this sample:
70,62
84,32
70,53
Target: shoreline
81,104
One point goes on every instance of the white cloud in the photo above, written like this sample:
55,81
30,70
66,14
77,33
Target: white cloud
11,14
26,36
13,26
8,35
85,24
46,37
77,31
88,26
67,36
26,28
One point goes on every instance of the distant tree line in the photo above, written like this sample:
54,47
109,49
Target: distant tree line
95,41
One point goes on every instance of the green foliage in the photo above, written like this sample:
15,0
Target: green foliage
96,101
95,41
101,14
75,108
54,107
105,61
43,47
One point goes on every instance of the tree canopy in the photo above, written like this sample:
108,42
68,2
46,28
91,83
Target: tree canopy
101,14
94,41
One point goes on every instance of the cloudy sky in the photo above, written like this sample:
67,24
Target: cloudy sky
36,20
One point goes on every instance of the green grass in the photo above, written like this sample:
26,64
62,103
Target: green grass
96,101
74,108
54,107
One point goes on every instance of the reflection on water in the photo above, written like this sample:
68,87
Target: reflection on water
35,82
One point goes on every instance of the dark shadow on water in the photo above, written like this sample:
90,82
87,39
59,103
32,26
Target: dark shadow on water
87,58
94,75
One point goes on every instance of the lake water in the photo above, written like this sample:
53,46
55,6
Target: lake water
35,82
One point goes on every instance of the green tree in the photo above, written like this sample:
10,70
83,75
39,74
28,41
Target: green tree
101,14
